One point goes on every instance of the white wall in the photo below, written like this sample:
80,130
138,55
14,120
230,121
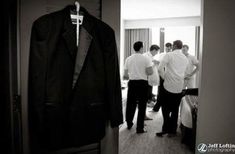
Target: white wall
216,122
162,22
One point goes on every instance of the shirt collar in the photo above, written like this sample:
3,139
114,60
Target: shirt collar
177,50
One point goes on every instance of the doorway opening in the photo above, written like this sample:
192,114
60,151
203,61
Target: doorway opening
156,22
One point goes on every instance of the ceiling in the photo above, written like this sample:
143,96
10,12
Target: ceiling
149,9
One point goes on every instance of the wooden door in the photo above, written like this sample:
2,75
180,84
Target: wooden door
30,10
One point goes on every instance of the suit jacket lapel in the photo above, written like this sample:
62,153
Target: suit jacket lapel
83,46
85,39
69,34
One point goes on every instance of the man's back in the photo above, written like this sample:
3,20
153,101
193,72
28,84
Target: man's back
175,64
136,65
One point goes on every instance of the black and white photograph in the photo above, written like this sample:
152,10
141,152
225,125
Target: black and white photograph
117,77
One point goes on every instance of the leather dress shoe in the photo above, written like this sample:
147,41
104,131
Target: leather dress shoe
153,110
141,131
171,134
147,118
129,126
160,134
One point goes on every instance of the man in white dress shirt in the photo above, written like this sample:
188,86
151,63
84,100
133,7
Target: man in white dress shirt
192,68
137,68
168,48
172,69
185,109
154,49
156,107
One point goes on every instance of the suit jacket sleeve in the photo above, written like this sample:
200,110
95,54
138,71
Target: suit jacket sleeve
113,84
37,76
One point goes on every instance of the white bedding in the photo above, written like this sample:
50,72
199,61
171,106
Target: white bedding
185,114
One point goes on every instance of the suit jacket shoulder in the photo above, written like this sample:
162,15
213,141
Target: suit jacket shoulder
44,24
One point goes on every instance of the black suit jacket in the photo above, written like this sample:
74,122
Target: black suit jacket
60,114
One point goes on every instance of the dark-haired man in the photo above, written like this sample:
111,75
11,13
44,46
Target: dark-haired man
192,68
158,104
154,49
168,48
137,68
172,69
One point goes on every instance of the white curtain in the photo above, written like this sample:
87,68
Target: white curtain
133,35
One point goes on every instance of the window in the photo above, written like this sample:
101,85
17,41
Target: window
186,34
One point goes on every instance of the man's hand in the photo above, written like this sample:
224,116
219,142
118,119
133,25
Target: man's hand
188,76
155,62
125,76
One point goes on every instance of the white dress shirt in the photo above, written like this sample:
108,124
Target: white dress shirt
149,55
175,64
192,61
160,56
136,65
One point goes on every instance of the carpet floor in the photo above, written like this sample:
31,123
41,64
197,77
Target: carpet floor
148,143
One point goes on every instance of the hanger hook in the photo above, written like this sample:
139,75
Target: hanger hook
77,6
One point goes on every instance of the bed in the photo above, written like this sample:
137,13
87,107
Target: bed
188,117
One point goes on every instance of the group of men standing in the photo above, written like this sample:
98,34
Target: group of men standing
175,68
